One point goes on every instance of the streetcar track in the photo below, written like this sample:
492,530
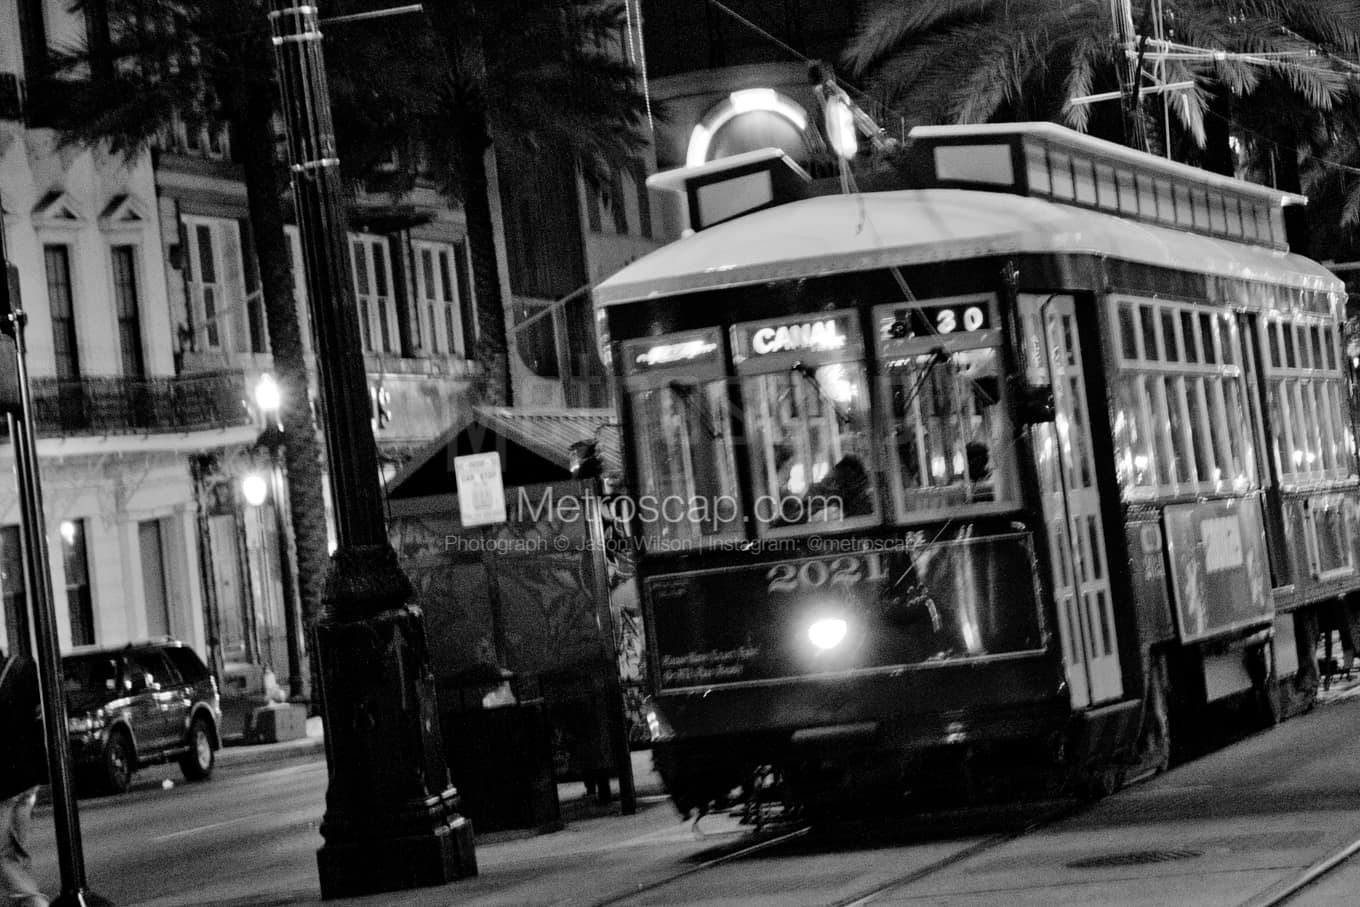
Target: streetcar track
755,848
1284,892
987,844
984,846
1277,895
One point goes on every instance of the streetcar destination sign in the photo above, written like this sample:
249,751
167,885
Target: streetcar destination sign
930,319
815,335
826,333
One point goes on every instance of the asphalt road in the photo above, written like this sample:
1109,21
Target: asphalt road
1218,831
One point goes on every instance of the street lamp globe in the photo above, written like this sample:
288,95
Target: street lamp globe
267,395
254,488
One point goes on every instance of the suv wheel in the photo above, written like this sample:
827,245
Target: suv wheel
197,764
120,762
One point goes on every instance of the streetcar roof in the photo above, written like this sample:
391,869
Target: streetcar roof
841,233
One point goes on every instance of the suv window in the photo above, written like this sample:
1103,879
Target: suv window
153,665
190,666
90,673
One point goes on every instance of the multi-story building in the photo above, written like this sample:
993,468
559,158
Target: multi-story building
147,340
117,422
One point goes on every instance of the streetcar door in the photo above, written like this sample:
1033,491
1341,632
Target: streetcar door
1071,502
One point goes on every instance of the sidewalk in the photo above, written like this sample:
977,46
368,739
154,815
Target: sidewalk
309,747
646,782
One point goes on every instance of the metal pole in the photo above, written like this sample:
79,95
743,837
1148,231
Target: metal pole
292,616
391,817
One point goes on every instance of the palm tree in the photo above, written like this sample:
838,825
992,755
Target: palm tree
206,61
527,78
964,61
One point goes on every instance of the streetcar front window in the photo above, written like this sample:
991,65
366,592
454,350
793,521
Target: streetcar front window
809,432
806,407
687,480
949,441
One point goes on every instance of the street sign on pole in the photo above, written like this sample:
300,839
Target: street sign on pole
481,490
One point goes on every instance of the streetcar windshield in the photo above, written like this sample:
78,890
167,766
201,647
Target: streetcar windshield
688,481
805,399
811,451
687,478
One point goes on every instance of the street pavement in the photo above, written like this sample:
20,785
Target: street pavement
1247,817
594,832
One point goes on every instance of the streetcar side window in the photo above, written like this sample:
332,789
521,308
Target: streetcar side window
1305,392
1180,419
805,402
687,479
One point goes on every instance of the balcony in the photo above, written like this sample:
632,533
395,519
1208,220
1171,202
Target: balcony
139,406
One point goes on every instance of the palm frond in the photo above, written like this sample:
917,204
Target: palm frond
891,23
1079,81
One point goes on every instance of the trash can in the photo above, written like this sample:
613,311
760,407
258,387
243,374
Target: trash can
499,753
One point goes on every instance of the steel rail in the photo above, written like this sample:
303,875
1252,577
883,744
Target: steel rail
755,848
973,850
1284,892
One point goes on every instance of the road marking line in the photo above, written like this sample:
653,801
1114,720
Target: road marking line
192,831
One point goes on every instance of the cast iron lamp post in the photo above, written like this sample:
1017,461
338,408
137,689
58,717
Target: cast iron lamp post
391,817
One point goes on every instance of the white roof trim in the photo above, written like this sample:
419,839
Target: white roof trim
842,233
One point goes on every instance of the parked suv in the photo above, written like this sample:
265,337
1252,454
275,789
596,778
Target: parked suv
128,706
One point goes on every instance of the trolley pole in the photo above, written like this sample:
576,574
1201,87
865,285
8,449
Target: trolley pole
391,818
38,580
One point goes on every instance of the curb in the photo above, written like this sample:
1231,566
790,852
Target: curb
307,748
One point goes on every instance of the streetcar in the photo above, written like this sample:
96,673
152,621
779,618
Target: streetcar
1015,471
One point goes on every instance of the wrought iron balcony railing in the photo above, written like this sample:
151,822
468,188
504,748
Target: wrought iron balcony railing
124,406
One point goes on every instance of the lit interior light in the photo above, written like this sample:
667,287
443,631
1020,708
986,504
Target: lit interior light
960,463
1298,458
1140,463
798,482
837,383
254,489
819,470
827,633
937,467
68,532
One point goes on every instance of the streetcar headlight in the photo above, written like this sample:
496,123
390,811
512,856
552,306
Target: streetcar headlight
827,632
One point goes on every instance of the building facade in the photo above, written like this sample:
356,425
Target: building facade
147,342
117,422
